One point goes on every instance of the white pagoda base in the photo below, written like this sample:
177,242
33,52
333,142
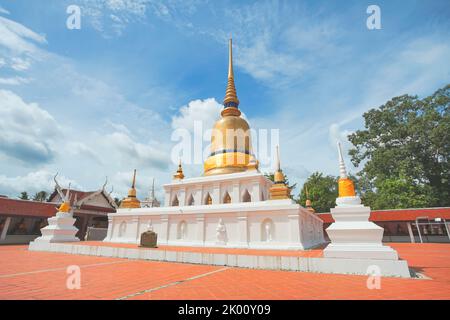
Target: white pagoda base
60,229
354,237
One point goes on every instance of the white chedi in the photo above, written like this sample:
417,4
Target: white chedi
352,235
61,227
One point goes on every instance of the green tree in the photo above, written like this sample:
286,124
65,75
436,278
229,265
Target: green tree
117,201
24,195
41,196
323,191
404,150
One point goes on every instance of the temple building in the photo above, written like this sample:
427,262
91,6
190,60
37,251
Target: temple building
22,220
231,205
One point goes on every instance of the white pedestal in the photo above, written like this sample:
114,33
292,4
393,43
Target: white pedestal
60,229
356,243
353,236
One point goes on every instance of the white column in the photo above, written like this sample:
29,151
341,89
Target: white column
243,230
201,228
255,192
198,196
110,229
216,194
235,193
164,236
167,195
5,228
411,235
182,197
137,223
294,228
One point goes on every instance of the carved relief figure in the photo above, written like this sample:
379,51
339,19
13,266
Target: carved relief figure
221,232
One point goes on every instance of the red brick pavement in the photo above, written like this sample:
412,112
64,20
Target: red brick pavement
40,275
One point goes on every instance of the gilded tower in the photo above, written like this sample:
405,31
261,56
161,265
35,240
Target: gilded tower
131,201
231,149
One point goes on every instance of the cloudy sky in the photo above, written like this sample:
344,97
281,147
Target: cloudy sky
105,99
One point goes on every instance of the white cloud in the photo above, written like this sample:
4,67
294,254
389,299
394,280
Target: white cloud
34,182
28,132
20,64
15,36
207,111
13,81
135,153
3,10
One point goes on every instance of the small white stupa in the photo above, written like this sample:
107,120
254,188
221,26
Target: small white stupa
60,227
352,235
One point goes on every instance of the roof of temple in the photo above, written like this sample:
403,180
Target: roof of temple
400,214
29,208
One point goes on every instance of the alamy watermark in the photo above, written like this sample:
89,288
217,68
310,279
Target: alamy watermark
73,281
373,22
374,279
74,19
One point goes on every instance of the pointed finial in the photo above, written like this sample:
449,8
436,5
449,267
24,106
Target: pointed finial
278,159
153,188
306,191
230,59
279,190
278,176
134,180
231,100
342,170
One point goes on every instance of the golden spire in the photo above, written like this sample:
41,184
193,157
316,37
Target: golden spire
278,176
345,184
179,174
279,190
134,180
131,201
231,101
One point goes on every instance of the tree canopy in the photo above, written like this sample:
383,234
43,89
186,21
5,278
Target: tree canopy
41,196
404,151
322,190
24,196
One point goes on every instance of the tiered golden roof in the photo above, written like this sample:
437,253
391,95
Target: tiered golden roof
131,201
279,190
230,141
179,175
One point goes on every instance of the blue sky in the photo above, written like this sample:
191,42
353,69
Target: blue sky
105,99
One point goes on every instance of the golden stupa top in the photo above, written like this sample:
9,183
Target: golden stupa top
179,174
131,201
132,191
231,101
278,176
279,190
230,147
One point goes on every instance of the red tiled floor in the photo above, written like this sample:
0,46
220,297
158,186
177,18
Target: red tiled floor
41,275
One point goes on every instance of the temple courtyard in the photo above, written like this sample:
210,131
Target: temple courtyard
28,274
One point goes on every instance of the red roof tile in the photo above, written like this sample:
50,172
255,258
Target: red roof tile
14,207
399,214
